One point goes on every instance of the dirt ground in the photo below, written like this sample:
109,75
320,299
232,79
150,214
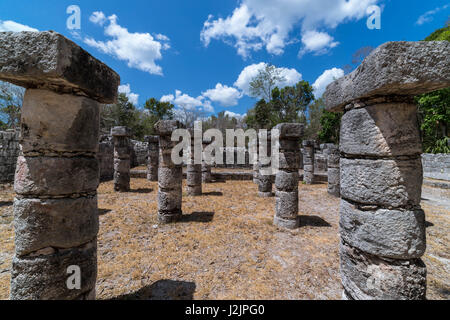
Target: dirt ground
226,246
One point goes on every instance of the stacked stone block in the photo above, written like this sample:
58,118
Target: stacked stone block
308,161
170,175
334,179
9,151
254,144
57,174
206,168
382,225
122,158
264,169
152,157
286,180
194,171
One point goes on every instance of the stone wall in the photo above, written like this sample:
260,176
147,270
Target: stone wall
138,153
9,151
436,166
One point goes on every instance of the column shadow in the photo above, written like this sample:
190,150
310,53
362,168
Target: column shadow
201,217
313,221
163,290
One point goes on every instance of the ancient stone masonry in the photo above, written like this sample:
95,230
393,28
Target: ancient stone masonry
334,179
255,165
139,151
286,180
382,225
264,179
206,168
9,151
105,156
57,174
152,157
170,175
194,171
122,150
308,161
436,166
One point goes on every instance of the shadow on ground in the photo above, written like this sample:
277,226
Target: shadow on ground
202,217
142,190
214,193
6,203
102,212
163,290
313,221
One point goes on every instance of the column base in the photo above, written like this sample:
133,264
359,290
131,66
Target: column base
165,218
285,223
194,191
265,194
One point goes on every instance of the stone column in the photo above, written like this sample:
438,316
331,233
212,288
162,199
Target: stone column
286,180
334,180
57,174
122,158
265,180
194,171
308,161
382,225
170,175
152,157
206,168
256,164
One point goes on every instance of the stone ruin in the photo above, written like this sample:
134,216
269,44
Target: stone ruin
308,161
382,225
57,175
206,168
194,171
9,151
152,157
264,175
378,166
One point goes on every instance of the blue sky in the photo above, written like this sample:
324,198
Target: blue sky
202,54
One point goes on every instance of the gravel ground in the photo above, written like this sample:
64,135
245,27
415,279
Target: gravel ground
226,247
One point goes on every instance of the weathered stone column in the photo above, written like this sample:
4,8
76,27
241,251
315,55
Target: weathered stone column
265,180
152,157
382,225
334,179
57,174
194,171
170,175
308,161
286,180
122,158
206,168
252,143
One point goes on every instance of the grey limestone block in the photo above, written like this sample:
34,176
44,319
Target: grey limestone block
394,68
59,122
290,130
368,277
388,183
397,234
60,223
49,60
49,176
44,276
390,129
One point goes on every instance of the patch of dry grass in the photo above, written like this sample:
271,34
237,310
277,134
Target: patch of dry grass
226,247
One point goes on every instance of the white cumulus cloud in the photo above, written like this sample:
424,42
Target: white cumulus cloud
139,50
257,24
317,42
247,75
132,97
224,95
234,115
428,16
327,77
13,26
187,102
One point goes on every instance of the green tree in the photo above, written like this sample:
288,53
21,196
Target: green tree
156,110
315,112
264,83
330,123
290,103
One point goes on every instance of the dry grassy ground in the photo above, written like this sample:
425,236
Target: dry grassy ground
226,247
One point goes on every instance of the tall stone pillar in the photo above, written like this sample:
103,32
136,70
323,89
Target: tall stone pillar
206,168
334,179
194,171
152,157
57,174
382,225
308,161
264,178
122,158
254,144
170,175
286,180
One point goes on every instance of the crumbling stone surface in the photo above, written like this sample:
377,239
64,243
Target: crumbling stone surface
334,171
206,168
152,157
194,171
9,151
122,158
264,177
308,161
394,68
368,277
286,180
170,175
398,234
48,60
